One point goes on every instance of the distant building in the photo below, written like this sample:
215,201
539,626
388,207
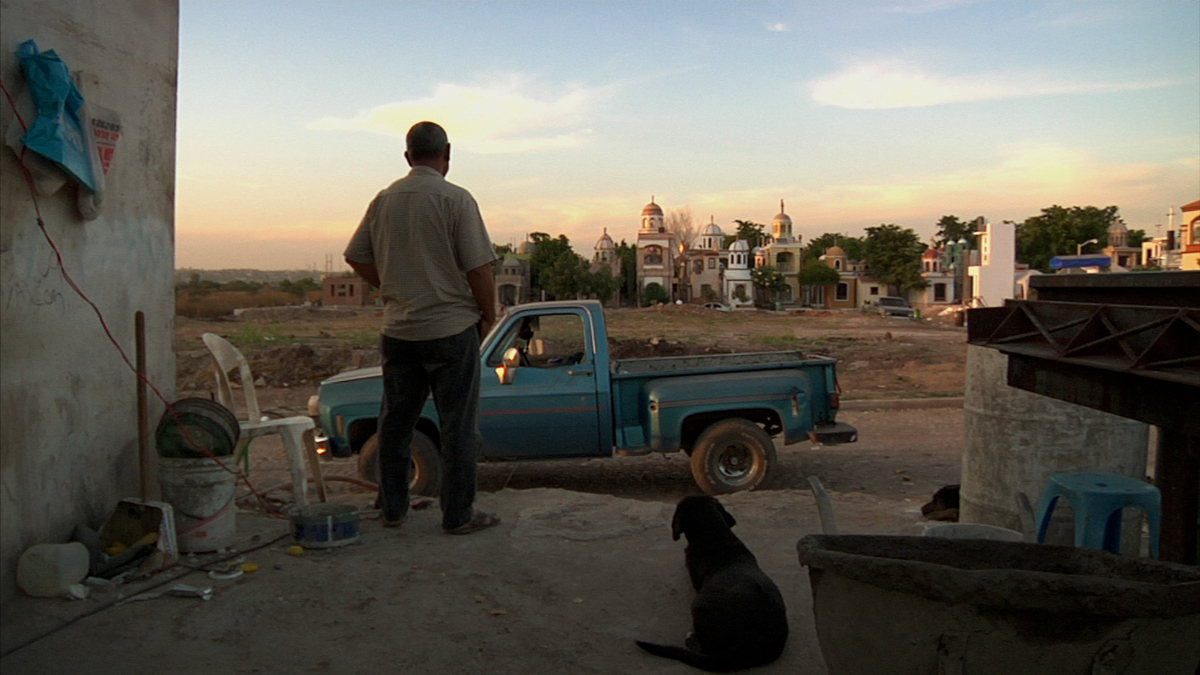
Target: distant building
512,279
1123,256
1191,236
845,293
702,267
785,252
345,291
994,278
938,274
656,253
739,288
605,259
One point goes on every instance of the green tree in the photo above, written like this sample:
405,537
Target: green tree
818,273
239,285
769,280
1135,238
951,229
853,246
601,284
654,294
300,287
894,255
555,268
1059,231
752,232
627,279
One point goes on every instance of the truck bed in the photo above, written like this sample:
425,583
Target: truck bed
711,363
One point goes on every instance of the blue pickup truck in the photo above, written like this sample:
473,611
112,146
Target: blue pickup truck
550,390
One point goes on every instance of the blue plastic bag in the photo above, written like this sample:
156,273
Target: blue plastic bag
57,133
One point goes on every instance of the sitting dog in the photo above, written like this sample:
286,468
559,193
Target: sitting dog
738,616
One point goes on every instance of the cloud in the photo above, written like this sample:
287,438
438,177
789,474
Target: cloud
1017,184
778,27
925,6
498,118
897,84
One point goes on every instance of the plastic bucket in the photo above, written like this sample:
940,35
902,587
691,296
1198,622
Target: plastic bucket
201,492
197,421
325,525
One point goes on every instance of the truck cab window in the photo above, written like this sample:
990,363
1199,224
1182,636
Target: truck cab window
544,341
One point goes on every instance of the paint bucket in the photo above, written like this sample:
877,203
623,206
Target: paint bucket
201,492
197,422
325,525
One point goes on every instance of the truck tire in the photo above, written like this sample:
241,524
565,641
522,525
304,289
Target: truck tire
425,477
732,455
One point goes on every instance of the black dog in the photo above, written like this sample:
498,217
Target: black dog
738,617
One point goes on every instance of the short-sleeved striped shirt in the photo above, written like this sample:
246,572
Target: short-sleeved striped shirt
424,234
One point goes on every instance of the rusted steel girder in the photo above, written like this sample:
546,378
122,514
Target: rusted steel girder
1141,362
1136,361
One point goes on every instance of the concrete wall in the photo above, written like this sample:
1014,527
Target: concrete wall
1014,440
68,441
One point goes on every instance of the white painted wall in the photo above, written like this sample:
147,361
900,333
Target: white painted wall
993,278
68,440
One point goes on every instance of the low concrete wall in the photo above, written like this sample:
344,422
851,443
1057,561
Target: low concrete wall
68,442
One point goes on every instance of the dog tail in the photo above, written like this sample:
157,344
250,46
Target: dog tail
695,659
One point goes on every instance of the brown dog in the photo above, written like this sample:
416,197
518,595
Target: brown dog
738,616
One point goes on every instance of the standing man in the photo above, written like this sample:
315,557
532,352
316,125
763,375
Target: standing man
422,242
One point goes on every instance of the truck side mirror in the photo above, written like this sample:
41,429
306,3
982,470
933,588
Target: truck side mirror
508,370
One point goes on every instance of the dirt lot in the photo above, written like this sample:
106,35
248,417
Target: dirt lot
582,564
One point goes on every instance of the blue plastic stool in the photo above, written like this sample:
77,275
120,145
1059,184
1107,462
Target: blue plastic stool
1097,499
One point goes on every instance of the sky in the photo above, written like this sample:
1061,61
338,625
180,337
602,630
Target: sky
569,117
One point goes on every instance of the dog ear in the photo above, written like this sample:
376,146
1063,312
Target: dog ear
677,524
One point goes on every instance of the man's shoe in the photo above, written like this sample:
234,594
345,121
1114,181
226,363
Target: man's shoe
390,523
479,521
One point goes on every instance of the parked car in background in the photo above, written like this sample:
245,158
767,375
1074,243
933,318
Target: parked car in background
720,307
889,305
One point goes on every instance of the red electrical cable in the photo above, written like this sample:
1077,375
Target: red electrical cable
104,324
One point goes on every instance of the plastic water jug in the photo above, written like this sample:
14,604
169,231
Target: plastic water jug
46,570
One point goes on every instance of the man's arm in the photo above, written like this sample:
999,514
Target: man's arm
367,271
483,287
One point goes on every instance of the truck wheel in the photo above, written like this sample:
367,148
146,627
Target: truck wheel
425,477
732,455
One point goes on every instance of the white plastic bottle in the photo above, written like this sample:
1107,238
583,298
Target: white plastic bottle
47,570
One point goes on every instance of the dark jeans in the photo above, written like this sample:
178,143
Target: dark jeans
449,367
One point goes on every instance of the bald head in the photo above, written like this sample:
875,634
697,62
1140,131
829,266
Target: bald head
426,141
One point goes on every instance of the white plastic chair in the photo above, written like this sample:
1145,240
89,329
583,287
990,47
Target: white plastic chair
297,432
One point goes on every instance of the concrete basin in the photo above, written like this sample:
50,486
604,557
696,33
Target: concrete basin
924,605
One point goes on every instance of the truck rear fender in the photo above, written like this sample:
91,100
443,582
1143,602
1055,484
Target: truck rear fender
694,425
677,409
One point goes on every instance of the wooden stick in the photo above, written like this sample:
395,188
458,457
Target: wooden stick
139,322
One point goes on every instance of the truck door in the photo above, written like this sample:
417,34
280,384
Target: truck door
549,409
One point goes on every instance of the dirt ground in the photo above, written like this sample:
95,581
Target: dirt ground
583,562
